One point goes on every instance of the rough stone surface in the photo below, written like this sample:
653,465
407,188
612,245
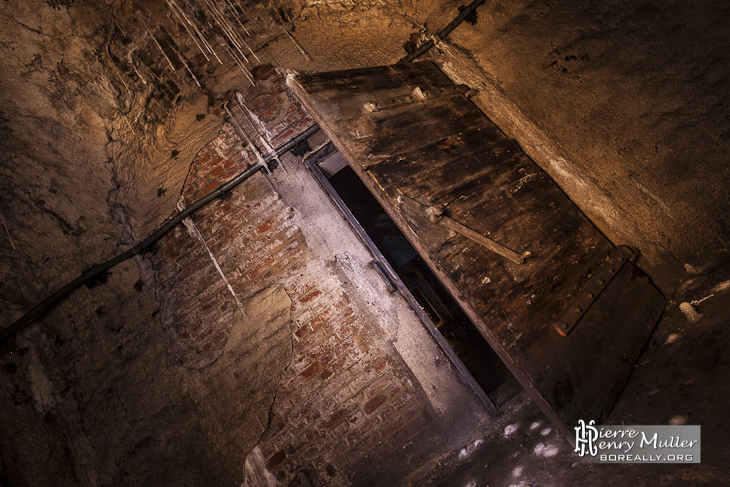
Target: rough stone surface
623,103
151,421
84,173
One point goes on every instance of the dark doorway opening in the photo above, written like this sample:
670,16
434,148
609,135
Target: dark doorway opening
480,360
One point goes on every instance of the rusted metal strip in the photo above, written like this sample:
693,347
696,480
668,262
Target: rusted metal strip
593,288
435,215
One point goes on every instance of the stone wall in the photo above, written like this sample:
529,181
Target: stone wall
624,105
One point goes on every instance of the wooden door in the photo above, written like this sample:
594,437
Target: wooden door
572,319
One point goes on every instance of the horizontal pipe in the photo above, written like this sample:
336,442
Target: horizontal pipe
42,308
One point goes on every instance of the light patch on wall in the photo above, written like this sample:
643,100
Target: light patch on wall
511,429
722,287
672,338
543,450
40,384
469,449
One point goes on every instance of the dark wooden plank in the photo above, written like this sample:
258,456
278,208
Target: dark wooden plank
445,151
374,80
400,130
584,373
432,152
349,93
491,187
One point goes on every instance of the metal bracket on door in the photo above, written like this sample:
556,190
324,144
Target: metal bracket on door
435,214
416,96
593,288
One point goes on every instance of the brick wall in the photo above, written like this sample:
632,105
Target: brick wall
347,401
343,400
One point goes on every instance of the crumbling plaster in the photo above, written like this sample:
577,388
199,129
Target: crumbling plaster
79,181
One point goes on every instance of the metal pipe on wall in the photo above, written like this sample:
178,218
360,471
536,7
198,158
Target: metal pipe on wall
94,274
443,32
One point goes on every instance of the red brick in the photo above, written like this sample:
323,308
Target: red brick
330,470
363,363
379,384
298,364
344,345
311,417
395,423
308,341
341,429
276,459
207,189
406,432
304,439
347,328
380,365
261,267
395,388
335,384
302,331
219,302
345,361
212,163
288,133
189,189
373,404
328,405
372,440
320,319
310,296
303,318
356,418
311,370
410,412
267,449
396,405
326,359
216,172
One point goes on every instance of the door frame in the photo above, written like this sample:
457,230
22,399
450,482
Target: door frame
391,278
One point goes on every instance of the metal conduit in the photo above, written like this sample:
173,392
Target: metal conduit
97,271
443,32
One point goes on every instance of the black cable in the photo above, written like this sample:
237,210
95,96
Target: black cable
443,32
96,273
99,271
